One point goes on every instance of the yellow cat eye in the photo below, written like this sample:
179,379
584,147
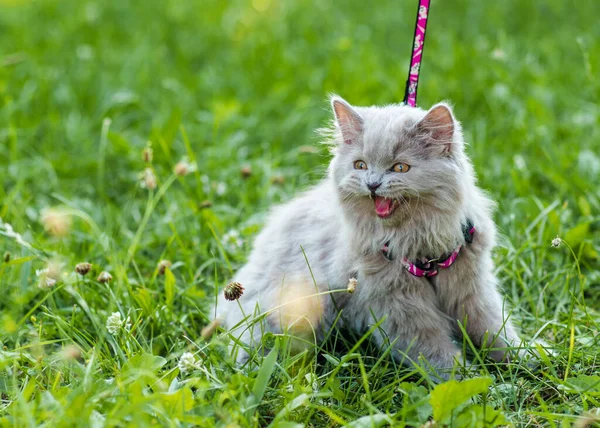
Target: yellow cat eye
360,165
401,167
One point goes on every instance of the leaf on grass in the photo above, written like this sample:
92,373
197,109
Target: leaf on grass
264,374
142,367
169,287
589,385
446,397
478,415
416,403
584,206
287,424
144,300
178,403
576,235
19,261
290,407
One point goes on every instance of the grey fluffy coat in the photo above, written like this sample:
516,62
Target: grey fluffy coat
302,261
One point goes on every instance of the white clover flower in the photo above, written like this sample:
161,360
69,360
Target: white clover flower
49,276
40,272
184,167
232,240
556,242
220,188
187,363
115,323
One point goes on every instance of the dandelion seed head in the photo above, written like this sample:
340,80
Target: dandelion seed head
104,277
162,266
556,242
278,179
148,153
246,172
71,352
299,308
233,291
210,329
205,204
56,221
352,283
83,268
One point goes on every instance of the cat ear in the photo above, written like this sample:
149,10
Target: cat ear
438,127
347,119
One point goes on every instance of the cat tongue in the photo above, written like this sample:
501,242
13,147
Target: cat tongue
383,206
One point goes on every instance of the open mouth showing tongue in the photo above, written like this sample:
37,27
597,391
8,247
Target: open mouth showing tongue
385,207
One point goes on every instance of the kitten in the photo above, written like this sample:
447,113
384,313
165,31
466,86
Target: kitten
400,191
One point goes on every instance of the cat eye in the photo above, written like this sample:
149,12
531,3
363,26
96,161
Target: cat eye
401,167
360,165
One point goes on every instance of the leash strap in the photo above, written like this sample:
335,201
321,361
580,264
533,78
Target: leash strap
410,92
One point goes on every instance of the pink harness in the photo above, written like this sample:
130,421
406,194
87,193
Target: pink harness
430,267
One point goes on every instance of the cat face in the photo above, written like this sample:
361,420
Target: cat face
392,162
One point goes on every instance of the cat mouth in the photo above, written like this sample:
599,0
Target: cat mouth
385,207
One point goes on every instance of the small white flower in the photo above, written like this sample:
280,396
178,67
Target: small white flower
232,240
499,54
148,179
115,323
221,188
352,282
556,242
187,363
184,167
49,276
40,272
104,277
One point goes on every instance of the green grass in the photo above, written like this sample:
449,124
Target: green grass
85,85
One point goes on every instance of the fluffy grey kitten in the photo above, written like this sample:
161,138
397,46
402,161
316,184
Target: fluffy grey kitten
400,188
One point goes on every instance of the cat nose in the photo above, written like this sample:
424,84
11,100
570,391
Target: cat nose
373,186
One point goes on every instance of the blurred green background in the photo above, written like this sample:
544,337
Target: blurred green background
85,85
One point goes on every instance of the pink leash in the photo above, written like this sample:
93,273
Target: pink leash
410,93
